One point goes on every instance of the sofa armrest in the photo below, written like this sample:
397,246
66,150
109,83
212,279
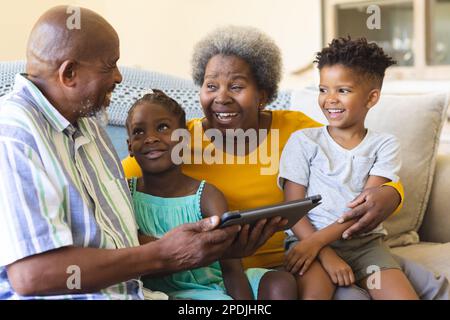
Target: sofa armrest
436,222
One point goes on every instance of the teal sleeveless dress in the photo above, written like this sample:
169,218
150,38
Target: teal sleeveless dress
156,216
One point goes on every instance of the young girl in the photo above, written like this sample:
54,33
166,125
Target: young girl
165,198
339,161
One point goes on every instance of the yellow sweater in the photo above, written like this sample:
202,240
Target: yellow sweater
247,185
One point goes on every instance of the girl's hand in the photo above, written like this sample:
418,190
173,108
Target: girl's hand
339,271
302,255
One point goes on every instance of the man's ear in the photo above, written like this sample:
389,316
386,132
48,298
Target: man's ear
374,96
67,73
129,148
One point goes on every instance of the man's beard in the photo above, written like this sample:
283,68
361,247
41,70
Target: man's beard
100,114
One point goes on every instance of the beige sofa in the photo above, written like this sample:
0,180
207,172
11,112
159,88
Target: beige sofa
421,231
433,249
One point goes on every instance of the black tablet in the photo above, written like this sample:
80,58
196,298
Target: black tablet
292,211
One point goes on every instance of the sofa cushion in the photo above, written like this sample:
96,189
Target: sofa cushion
8,73
136,82
436,222
433,256
417,121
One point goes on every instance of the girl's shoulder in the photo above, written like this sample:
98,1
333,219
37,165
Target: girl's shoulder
210,191
213,201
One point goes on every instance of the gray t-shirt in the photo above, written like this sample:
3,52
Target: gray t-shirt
313,159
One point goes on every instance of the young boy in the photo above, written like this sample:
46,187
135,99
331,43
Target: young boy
339,161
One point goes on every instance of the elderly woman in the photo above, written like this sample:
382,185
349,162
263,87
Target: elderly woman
238,70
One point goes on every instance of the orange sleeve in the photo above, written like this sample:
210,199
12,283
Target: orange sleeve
399,187
131,167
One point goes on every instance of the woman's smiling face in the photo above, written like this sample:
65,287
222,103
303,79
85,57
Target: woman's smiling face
229,95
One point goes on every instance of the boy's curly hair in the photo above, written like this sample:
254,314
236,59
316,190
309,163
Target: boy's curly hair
367,59
160,98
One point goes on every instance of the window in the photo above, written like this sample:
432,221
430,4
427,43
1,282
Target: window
414,32
439,27
395,35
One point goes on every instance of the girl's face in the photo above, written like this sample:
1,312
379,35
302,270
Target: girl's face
150,130
344,97
229,95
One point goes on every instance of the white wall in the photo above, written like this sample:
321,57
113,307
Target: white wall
159,34
17,17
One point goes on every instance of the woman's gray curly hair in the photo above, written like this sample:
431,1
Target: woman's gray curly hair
247,43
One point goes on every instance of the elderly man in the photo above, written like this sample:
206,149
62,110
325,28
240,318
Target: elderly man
66,209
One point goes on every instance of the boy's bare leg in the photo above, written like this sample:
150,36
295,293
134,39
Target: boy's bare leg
394,285
315,284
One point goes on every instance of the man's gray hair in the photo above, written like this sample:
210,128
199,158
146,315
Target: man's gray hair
247,43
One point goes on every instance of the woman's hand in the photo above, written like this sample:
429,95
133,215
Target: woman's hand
250,239
300,257
371,207
339,271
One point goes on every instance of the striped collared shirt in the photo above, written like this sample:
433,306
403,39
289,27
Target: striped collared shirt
59,186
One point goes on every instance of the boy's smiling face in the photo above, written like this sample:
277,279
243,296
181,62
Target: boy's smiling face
345,96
